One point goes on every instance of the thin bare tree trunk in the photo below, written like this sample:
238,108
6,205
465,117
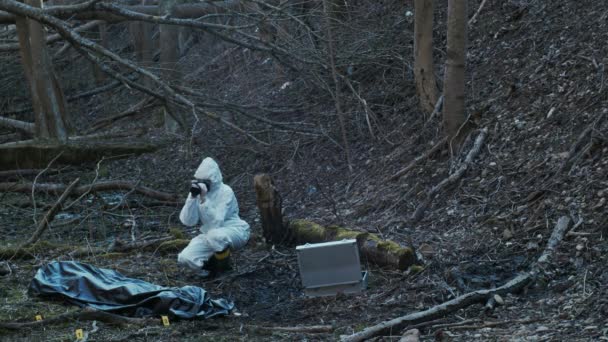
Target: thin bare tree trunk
49,103
169,56
100,77
423,55
454,81
334,74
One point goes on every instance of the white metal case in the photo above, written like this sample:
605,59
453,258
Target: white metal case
330,268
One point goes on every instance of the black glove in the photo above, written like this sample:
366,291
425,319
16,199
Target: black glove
195,190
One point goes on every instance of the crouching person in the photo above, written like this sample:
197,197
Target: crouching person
212,203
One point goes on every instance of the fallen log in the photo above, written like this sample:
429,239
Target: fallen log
372,248
481,296
32,154
276,230
54,188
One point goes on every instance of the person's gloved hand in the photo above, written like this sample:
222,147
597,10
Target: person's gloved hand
195,189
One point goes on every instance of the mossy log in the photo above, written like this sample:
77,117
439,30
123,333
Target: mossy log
372,248
38,154
277,230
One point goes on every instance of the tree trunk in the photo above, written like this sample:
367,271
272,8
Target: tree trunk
423,55
48,101
454,81
169,56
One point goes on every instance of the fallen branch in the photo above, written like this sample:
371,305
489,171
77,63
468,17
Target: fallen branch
54,188
135,109
22,126
50,215
95,91
419,213
84,315
16,174
418,159
481,296
314,329
53,38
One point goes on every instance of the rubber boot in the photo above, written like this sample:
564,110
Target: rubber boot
218,263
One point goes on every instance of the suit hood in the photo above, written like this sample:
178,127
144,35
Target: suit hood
209,170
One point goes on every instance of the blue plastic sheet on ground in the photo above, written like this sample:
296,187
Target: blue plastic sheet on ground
108,290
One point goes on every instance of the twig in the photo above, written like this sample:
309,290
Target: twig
419,213
36,179
514,285
474,17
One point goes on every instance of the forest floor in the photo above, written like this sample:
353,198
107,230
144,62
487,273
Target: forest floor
536,82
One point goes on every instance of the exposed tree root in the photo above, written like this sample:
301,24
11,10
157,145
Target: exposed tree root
453,178
481,296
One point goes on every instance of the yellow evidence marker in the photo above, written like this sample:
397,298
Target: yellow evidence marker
79,334
39,317
165,320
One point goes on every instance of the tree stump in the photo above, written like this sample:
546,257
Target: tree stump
270,204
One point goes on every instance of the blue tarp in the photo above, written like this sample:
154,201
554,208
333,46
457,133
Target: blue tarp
108,290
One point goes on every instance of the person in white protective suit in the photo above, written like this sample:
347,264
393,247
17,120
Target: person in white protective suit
212,203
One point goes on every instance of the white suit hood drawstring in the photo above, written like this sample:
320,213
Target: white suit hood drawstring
218,212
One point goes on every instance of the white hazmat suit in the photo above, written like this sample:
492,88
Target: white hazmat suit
218,211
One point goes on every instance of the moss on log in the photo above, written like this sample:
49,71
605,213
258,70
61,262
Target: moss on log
37,154
372,247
